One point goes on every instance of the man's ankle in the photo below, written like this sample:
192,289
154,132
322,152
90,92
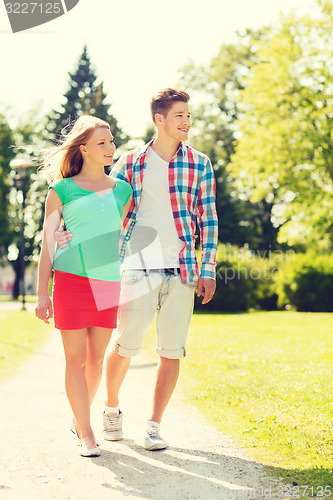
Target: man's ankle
111,410
155,420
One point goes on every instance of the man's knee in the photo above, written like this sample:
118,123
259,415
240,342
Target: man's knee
172,354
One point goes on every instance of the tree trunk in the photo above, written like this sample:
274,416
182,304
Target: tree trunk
17,270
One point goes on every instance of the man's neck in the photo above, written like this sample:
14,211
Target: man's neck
165,148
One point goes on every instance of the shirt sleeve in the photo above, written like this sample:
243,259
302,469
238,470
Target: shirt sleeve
59,188
207,217
127,191
121,169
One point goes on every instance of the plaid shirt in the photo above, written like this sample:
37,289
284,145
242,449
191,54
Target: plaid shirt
192,196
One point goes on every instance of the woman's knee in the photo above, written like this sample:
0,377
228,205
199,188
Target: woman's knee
76,362
95,361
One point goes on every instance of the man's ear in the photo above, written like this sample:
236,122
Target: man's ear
158,118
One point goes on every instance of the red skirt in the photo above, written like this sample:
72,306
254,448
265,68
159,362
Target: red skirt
80,302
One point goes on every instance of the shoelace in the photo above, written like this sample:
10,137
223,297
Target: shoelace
153,432
112,421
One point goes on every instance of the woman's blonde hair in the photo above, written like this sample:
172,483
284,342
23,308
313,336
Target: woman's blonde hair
65,160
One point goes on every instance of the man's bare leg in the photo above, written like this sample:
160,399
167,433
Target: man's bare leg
167,376
116,369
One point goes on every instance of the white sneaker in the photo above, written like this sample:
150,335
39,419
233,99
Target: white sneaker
153,440
113,426
88,452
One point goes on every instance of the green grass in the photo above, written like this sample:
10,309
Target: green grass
9,298
20,335
265,378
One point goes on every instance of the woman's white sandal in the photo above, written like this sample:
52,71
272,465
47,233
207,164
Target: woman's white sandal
74,430
88,452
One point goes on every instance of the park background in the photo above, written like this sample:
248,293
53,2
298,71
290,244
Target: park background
260,75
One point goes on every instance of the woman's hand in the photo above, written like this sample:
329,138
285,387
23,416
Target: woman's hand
43,308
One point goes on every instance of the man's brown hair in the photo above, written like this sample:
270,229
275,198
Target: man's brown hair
163,101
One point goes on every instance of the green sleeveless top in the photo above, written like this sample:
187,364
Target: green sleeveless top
96,224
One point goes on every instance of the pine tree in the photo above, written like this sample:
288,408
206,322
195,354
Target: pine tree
85,96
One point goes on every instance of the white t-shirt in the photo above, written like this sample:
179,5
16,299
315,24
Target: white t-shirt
154,241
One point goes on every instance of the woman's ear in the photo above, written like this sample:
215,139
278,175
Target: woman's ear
83,149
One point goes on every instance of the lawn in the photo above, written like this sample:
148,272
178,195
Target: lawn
265,378
9,298
20,335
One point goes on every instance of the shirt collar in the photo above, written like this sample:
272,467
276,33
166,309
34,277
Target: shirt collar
181,148
144,149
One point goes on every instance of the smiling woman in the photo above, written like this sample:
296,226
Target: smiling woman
86,281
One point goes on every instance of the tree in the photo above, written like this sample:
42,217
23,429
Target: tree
28,138
6,155
85,96
285,150
214,99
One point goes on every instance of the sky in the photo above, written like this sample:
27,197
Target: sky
136,48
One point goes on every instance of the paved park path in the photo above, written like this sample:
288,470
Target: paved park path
39,457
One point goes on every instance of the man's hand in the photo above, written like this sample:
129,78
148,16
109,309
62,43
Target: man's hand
206,289
62,237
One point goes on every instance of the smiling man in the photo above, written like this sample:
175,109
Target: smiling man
174,188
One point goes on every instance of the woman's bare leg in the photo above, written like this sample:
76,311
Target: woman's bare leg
75,347
97,341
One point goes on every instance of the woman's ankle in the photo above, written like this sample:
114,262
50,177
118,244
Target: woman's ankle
89,440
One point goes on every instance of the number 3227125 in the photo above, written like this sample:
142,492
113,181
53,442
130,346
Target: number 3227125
33,7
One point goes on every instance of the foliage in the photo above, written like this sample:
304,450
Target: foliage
233,293
85,96
149,134
215,95
285,152
306,283
6,155
245,279
29,138
249,279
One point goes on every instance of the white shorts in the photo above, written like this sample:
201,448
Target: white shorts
142,294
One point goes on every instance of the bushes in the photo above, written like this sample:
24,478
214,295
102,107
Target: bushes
244,280
233,290
277,280
307,283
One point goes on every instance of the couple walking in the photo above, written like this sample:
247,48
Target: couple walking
151,203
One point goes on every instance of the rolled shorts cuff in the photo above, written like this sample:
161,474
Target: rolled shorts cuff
127,353
171,354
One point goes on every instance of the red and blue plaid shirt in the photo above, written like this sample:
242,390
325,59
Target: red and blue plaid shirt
192,196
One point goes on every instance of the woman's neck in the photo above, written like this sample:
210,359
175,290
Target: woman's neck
93,172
